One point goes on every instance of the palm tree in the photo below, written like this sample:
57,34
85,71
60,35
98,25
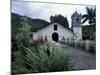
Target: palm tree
90,16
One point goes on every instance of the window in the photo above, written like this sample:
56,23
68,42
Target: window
77,20
55,27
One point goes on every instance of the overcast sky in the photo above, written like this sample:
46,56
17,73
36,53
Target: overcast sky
45,10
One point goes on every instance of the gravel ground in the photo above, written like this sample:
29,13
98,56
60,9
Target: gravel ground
81,60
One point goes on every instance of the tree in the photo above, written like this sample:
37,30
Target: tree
60,19
90,16
23,36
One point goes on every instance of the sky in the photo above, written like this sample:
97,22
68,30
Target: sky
45,10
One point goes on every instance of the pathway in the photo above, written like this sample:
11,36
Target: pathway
81,60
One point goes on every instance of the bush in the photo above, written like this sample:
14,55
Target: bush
82,44
49,58
78,45
93,47
90,46
18,65
71,43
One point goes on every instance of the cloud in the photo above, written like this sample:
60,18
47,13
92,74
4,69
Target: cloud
45,10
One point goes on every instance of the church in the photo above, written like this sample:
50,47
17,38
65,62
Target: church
56,32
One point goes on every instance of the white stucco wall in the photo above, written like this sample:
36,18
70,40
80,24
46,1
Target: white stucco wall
77,32
49,30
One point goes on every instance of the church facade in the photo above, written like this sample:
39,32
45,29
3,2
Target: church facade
56,32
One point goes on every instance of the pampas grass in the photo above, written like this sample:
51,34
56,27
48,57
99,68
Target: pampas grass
47,58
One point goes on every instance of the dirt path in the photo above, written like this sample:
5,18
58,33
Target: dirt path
81,60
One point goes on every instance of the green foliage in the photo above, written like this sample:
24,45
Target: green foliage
90,16
34,23
49,58
93,47
18,65
60,19
21,39
87,29
23,35
17,26
82,44
44,61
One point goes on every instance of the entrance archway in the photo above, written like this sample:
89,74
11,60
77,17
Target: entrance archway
55,37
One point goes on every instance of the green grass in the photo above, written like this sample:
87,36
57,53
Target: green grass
47,58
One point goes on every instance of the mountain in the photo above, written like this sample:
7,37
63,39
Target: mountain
35,23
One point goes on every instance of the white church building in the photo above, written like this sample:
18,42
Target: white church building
56,32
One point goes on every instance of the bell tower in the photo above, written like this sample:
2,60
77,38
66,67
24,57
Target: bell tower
77,25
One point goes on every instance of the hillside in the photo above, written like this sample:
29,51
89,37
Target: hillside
35,23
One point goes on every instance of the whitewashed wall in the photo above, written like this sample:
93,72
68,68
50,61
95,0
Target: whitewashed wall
49,30
77,32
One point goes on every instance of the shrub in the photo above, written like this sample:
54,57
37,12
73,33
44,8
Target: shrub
18,65
77,45
90,46
93,47
82,44
49,58
72,43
